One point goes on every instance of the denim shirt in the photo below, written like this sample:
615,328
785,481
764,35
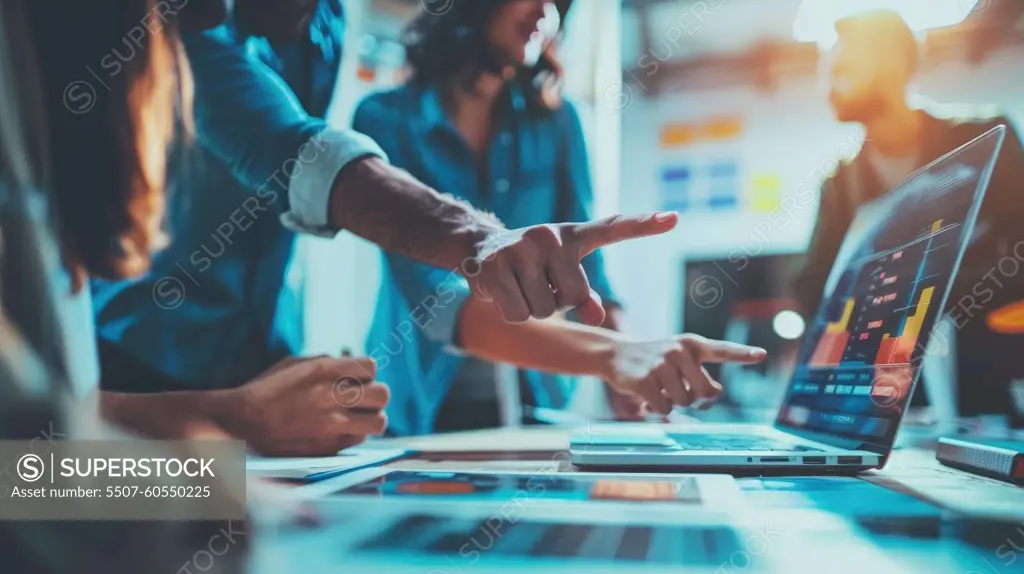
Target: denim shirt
537,172
215,310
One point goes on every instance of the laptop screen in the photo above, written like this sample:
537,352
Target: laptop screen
862,352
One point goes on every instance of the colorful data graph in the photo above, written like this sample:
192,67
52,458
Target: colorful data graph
899,349
874,334
829,351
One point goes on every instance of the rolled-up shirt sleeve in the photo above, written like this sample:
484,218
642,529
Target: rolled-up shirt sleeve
311,182
248,117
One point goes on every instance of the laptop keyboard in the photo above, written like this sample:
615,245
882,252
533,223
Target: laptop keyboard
736,442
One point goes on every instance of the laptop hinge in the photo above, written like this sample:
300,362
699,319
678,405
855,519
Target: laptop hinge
831,440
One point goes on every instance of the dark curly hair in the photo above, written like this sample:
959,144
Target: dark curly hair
441,44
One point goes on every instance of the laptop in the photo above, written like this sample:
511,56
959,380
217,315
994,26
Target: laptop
861,359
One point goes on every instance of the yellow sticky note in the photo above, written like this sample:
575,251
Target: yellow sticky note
766,193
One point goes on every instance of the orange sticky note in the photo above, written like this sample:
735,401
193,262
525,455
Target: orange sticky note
677,135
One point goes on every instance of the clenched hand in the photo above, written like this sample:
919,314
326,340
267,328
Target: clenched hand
307,407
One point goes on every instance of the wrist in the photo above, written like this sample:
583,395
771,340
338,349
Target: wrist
225,408
475,240
609,353
168,416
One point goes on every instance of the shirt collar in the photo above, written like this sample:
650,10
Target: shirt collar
432,113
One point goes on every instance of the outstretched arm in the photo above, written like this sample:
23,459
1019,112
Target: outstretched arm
330,179
525,273
389,207
663,372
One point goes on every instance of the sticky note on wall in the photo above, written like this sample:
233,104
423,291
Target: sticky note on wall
676,188
722,128
765,192
715,129
723,185
675,135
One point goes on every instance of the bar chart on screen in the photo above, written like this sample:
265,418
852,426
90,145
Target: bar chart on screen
882,325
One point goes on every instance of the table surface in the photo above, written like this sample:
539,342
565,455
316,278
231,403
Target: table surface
913,516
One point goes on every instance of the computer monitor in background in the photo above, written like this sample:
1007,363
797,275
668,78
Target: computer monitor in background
745,297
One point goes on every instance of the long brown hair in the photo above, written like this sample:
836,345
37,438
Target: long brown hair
113,81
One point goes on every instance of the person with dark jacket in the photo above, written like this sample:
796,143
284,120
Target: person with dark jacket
871,69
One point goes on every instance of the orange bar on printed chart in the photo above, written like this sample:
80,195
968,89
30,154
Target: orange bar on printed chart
829,351
633,490
899,350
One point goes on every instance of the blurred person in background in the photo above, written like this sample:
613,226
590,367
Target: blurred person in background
214,313
81,194
871,70
482,116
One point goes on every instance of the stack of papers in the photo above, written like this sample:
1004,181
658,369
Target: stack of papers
319,468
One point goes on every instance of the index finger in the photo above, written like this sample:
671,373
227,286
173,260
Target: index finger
594,235
712,351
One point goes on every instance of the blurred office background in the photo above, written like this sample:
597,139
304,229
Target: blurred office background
714,108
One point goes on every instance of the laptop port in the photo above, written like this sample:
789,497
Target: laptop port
774,459
814,460
850,460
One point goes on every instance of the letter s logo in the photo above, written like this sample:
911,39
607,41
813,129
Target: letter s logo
30,468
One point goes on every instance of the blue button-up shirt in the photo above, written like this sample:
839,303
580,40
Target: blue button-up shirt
214,310
536,172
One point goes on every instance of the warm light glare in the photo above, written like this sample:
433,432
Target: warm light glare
816,19
547,30
788,325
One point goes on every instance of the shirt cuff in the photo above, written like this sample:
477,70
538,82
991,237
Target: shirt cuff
440,317
316,167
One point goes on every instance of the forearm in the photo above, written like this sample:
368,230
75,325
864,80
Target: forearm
168,416
553,345
387,206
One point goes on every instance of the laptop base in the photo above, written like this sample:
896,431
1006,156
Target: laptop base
711,448
735,471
